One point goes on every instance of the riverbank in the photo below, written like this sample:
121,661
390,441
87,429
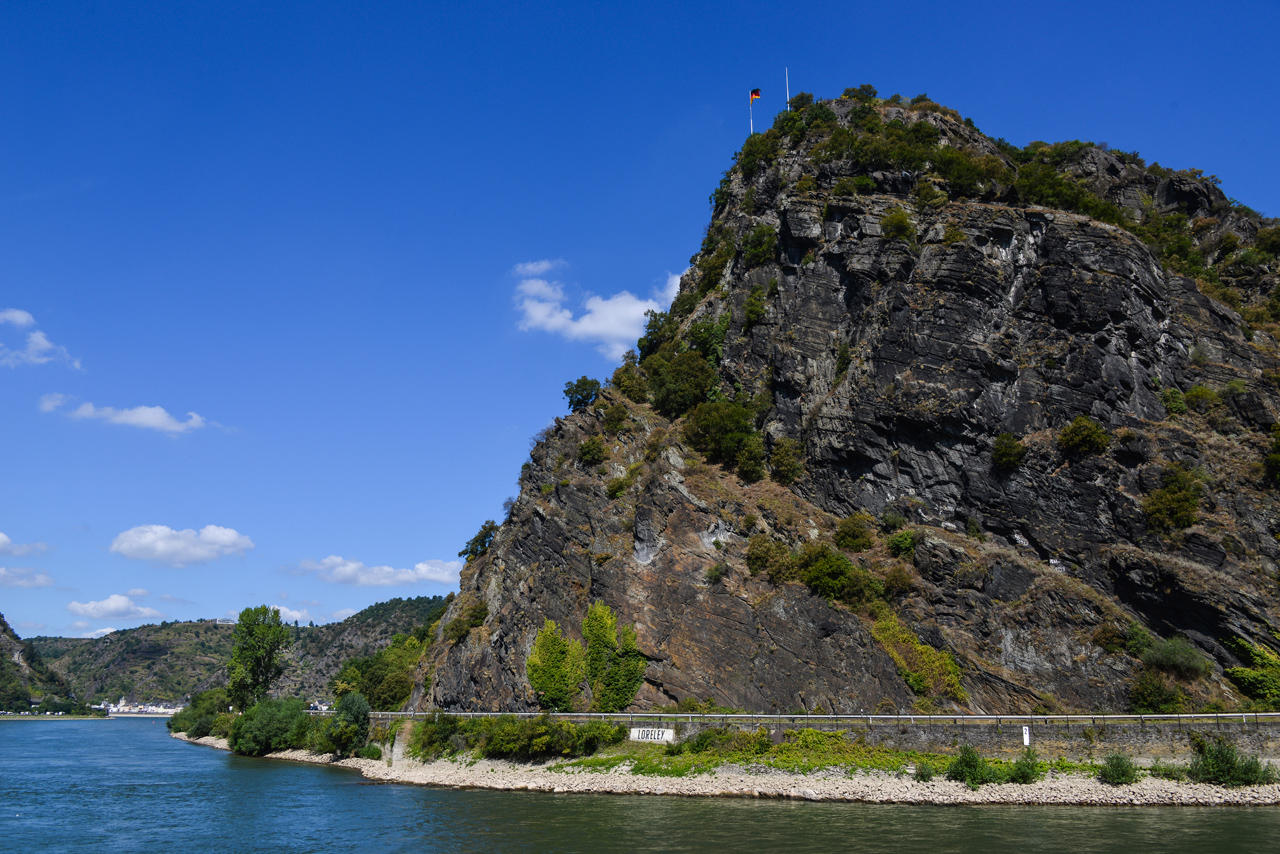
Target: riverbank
737,782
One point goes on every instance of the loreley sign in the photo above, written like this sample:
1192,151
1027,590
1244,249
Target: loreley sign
653,734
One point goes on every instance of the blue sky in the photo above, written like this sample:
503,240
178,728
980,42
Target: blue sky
285,291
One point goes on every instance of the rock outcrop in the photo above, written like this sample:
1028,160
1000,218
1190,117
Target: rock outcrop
893,310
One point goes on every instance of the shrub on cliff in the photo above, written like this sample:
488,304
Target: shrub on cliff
786,462
680,383
591,452
1082,437
760,246
853,534
1177,657
718,430
750,461
478,545
896,225
1173,506
1007,453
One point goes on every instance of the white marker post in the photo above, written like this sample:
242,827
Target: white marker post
1026,736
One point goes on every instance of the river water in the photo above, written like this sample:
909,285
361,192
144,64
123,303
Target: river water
124,785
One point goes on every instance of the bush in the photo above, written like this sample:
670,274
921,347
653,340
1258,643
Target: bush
753,309
1175,403
679,384
581,393
1177,657
1173,506
717,573
457,629
197,718
767,555
896,225
760,246
1026,769
719,430
1219,762
891,520
1082,437
268,726
1008,452
1202,398
591,452
786,461
508,737
971,769
853,534
902,543
370,751
924,772
1118,770
615,417
828,573
1153,694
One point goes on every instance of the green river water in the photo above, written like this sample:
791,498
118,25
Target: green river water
124,785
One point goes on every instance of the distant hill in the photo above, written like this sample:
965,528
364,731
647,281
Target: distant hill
23,674
170,661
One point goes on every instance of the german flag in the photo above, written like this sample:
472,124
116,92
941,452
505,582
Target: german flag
755,93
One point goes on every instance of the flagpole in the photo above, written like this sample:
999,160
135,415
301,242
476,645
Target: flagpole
787,71
751,119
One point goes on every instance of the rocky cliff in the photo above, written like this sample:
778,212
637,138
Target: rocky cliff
887,292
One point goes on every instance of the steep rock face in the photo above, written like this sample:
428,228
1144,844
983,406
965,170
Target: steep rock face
896,360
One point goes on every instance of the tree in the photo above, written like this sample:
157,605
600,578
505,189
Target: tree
556,668
615,666
257,643
581,393
350,728
479,544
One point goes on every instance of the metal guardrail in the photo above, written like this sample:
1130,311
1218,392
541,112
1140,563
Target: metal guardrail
835,721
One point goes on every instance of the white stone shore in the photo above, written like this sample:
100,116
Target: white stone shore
736,782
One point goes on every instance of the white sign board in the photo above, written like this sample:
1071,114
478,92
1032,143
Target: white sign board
653,734
1026,736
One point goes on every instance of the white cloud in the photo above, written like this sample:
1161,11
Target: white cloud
148,417
138,592
289,615
343,613
162,544
339,570
612,323
115,607
51,401
533,268
37,350
26,579
9,547
98,633
17,317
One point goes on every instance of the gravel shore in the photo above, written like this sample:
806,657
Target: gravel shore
735,782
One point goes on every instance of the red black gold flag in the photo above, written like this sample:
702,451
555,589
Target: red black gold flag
755,93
